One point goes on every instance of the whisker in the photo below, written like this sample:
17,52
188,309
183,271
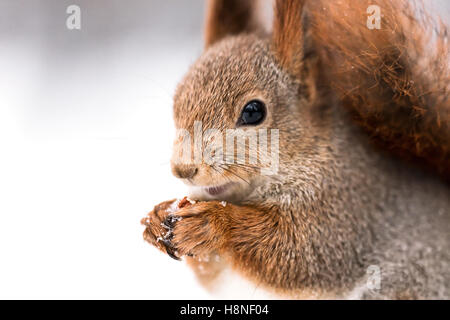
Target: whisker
221,174
234,173
245,166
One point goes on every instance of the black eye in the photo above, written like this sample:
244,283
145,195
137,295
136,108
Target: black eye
253,113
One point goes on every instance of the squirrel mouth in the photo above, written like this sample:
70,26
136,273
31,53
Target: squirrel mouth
230,191
218,190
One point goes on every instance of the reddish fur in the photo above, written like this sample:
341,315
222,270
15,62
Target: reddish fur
393,80
239,233
288,35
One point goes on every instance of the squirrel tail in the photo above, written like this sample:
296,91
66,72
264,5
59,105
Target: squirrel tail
393,76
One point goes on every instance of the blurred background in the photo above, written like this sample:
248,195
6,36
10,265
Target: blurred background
85,138
85,142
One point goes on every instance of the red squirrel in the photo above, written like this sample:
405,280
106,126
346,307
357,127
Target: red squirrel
363,119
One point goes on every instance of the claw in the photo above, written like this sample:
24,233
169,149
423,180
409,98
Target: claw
167,243
171,254
170,249
169,222
166,239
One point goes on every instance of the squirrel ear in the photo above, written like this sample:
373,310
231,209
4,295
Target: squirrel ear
288,34
229,17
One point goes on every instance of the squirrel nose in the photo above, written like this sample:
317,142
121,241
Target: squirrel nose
184,171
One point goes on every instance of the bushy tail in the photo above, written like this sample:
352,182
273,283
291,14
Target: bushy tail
396,79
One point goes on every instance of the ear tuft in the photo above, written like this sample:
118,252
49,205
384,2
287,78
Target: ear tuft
288,34
229,17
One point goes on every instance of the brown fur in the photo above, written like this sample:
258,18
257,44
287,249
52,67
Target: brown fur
393,80
288,37
229,17
337,205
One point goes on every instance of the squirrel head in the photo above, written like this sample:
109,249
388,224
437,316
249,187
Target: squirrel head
249,84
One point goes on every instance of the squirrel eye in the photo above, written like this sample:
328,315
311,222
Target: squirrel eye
253,113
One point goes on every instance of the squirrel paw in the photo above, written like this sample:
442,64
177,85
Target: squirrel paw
191,230
159,227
